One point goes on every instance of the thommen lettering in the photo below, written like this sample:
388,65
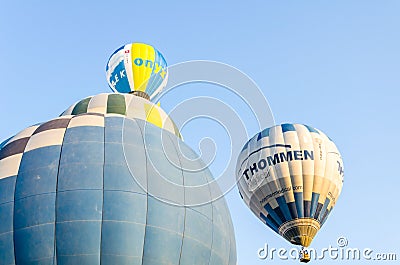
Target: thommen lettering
276,159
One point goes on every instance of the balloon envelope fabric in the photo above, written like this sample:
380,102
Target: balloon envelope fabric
291,176
68,196
127,105
137,67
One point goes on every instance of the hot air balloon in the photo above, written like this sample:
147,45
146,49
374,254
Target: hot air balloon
290,176
137,68
84,188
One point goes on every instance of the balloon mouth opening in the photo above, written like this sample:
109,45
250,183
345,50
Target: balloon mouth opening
140,94
300,231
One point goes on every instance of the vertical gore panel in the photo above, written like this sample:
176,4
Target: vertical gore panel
292,209
270,222
307,208
125,157
318,211
125,202
7,248
198,235
264,133
34,243
298,196
123,228
323,210
81,106
284,208
116,104
34,208
278,217
152,115
161,246
286,127
325,217
314,203
80,203
7,187
164,231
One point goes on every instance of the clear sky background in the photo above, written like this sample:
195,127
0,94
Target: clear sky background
333,65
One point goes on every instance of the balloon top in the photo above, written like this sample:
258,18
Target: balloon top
137,68
128,105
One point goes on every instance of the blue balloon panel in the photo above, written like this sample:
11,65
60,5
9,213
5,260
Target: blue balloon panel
68,195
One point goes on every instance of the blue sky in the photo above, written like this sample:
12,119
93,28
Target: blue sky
331,64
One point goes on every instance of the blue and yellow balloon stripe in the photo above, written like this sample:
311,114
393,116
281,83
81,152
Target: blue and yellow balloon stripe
137,67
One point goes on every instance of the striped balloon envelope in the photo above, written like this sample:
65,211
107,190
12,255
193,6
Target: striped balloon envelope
137,68
290,176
